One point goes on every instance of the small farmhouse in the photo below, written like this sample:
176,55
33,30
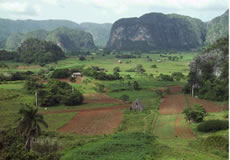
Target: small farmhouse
76,74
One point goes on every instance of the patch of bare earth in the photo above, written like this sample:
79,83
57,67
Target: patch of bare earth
172,89
78,80
94,122
183,132
209,106
172,104
101,98
28,67
175,104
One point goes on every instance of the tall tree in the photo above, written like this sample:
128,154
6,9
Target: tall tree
29,124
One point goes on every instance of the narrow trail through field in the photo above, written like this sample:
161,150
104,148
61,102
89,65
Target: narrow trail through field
173,105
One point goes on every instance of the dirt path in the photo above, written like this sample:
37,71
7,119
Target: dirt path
182,131
172,104
175,104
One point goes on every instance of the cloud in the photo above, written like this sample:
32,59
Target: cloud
19,8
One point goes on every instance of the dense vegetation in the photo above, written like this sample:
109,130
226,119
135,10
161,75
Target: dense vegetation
212,125
39,52
209,72
54,93
71,40
195,114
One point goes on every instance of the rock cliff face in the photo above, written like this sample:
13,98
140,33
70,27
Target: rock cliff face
217,28
71,40
156,31
100,32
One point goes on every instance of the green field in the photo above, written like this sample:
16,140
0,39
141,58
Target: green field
141,135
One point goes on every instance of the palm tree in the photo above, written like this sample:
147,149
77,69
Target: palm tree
29,124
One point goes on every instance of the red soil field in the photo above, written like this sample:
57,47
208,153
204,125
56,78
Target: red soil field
27,67
208,105
173,89
94,122
172,104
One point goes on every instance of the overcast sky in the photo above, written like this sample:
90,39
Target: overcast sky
101,11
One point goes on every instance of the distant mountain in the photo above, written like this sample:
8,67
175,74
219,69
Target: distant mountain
15,39
8,27
71,40
157,31
100,32
217,28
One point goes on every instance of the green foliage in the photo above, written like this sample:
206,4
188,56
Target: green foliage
195,114
213,126
75,98
164,77
29,124
159,93
61,73
116,69
32,85
177,76
100,88
39,52
217,28
140,69
124,97
6,55
213,81
216,141
153,66
133,146
72,40
136,85
57,92
13,147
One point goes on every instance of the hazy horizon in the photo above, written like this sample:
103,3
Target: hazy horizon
107,11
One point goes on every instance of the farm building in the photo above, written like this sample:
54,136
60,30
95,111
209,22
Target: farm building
76,74
137,106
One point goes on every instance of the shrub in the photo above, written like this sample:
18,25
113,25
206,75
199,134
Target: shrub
213,125
131,70
195,114
153,66
167,91
124,97
216,141
177,76
74,98
136,85
116,69
61,73
164,77
159,93
57,92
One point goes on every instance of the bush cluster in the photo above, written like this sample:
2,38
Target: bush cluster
195,114
212,125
